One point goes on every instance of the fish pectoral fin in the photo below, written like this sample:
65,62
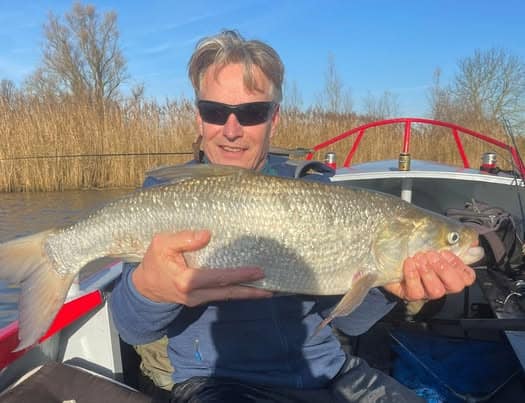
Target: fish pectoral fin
360,286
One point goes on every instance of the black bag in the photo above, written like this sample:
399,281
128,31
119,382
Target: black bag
58,383
498,234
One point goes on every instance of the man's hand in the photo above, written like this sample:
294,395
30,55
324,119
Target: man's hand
431,275
164,276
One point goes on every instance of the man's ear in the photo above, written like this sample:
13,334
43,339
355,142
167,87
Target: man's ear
200,123
196,148
275,120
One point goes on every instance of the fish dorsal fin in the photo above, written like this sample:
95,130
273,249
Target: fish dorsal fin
179,173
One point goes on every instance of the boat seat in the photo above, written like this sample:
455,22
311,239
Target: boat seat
57,383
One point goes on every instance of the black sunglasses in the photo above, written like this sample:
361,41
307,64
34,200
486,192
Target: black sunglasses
248,114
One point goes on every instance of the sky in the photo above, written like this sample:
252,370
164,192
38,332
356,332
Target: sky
377,46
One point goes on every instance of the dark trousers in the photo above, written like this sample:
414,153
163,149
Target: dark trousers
356,382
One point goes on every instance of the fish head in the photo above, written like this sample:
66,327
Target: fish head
434,232
422,231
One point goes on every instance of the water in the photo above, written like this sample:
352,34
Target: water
26,213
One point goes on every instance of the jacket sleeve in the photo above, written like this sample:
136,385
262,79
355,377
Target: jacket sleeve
375,305
138,319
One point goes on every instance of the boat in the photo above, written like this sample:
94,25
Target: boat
481,330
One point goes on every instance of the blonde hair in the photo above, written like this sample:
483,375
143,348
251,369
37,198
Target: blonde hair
230,47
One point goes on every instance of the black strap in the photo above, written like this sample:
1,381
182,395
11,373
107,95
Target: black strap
302,167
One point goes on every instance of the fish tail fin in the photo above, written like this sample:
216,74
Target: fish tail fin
361,284
43,290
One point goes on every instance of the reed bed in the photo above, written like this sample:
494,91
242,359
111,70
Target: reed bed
48,146
51,144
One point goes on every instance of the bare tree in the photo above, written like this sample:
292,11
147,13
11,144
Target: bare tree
137,92
491,85
334,98
443,105
293,101
42,84
81,55
8,91
381,107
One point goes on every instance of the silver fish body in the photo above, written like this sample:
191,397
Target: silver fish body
309,238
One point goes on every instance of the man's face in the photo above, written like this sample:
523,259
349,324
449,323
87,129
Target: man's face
232,143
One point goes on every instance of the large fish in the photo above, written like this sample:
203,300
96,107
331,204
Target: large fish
309,238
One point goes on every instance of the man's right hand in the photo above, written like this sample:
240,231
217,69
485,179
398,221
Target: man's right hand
164,276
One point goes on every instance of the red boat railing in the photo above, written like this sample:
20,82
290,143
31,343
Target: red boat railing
69,313
455,130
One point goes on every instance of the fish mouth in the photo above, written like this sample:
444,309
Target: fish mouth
472,254
470,251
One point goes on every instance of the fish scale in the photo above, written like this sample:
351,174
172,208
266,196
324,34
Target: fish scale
308,238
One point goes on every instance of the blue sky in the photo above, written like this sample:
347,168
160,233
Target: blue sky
377,45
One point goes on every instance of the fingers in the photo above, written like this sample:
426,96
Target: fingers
164,276
192,279
431,275
442,273
176,243
234,292
198,286
414,289
467,274
428,266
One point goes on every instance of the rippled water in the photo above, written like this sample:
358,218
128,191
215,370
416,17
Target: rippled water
26,213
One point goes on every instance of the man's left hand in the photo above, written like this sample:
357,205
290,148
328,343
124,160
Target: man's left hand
431,275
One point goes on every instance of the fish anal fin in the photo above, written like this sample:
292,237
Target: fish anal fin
361,284
413,307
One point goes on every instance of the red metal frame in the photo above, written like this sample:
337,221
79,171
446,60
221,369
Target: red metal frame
69,313
455,129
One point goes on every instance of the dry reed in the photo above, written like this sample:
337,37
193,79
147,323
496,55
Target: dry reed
50,145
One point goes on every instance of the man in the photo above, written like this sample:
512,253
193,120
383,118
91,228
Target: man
229,342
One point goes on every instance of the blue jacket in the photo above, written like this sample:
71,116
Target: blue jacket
267,341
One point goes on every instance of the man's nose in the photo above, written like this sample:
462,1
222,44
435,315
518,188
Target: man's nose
232,128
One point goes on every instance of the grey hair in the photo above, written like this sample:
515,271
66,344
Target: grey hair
230,47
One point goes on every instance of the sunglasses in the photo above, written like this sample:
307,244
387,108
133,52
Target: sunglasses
248,114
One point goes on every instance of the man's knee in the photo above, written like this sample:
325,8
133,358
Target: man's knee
155,363
358,382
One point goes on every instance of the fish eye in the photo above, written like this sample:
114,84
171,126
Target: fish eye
453,238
